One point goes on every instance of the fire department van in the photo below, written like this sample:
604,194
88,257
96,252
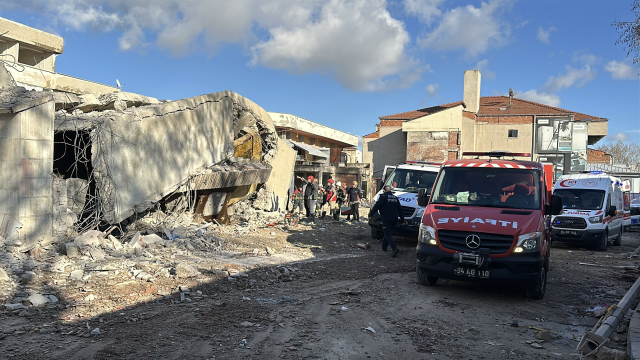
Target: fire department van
593,210
488,220
407,180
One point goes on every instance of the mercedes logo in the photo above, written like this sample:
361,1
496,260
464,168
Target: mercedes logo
473,241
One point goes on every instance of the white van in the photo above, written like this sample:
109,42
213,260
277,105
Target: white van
407,180
592,212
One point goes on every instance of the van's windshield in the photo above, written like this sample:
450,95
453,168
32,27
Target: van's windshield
411,180
581,199
488,187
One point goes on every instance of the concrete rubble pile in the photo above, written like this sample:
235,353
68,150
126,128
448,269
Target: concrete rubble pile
98,271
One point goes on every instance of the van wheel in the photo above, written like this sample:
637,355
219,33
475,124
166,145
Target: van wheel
618,240
377,234
604,243
537,290
425,279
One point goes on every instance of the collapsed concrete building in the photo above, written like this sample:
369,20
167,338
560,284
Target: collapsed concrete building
77,155
65,170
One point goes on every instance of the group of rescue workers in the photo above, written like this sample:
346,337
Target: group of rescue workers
316,201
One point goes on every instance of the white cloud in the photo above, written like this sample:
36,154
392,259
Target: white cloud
543,35
426,10
540,97
432,89
483,66
586,58
620,136
469,28
620,70
577,77
357,42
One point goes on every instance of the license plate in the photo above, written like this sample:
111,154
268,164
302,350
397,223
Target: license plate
473,273
568,232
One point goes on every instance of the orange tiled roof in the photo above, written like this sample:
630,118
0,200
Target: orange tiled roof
491,105
374,135
410,115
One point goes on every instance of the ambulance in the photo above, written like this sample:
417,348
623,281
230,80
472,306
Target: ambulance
592,210
627,219
407,180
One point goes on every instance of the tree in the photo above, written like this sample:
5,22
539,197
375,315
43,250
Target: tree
630,33
623,153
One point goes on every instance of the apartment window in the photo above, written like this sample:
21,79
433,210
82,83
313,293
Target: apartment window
312,141
332,145
513,133
300,138
323,143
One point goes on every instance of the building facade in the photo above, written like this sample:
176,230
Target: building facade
490,123
323,152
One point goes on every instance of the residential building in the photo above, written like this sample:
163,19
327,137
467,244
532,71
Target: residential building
437,133
29,57
323,152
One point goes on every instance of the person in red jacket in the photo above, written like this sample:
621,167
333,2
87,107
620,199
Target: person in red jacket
331,199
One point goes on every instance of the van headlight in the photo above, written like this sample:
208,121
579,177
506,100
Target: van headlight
595,219
528,242
427,235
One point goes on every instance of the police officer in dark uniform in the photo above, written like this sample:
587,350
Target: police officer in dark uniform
390,210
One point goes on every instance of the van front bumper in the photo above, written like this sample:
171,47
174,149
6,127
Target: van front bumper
517,269
580,237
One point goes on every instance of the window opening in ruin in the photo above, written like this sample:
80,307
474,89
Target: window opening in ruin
513,133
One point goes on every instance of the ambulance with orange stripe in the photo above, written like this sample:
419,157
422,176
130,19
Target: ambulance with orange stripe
593,210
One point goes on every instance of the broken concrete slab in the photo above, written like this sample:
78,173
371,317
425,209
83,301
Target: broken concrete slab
134,241
149,137
151,239
90,238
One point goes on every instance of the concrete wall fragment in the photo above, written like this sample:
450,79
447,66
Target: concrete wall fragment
146,153
281,175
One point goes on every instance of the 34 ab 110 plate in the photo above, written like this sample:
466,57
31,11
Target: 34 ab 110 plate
472,273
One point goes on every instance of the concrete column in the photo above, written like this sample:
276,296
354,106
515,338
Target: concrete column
9,165
11,48
36,166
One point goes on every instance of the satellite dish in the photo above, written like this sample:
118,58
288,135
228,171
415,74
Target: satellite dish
118,82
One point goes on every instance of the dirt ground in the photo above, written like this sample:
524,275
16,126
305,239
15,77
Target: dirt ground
313,294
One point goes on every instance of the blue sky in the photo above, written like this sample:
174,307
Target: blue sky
344,63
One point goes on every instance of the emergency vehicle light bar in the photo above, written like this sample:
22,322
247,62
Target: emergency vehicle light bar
423,162
494,154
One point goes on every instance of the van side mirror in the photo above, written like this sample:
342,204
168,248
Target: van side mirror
422,198
612,211
555,208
